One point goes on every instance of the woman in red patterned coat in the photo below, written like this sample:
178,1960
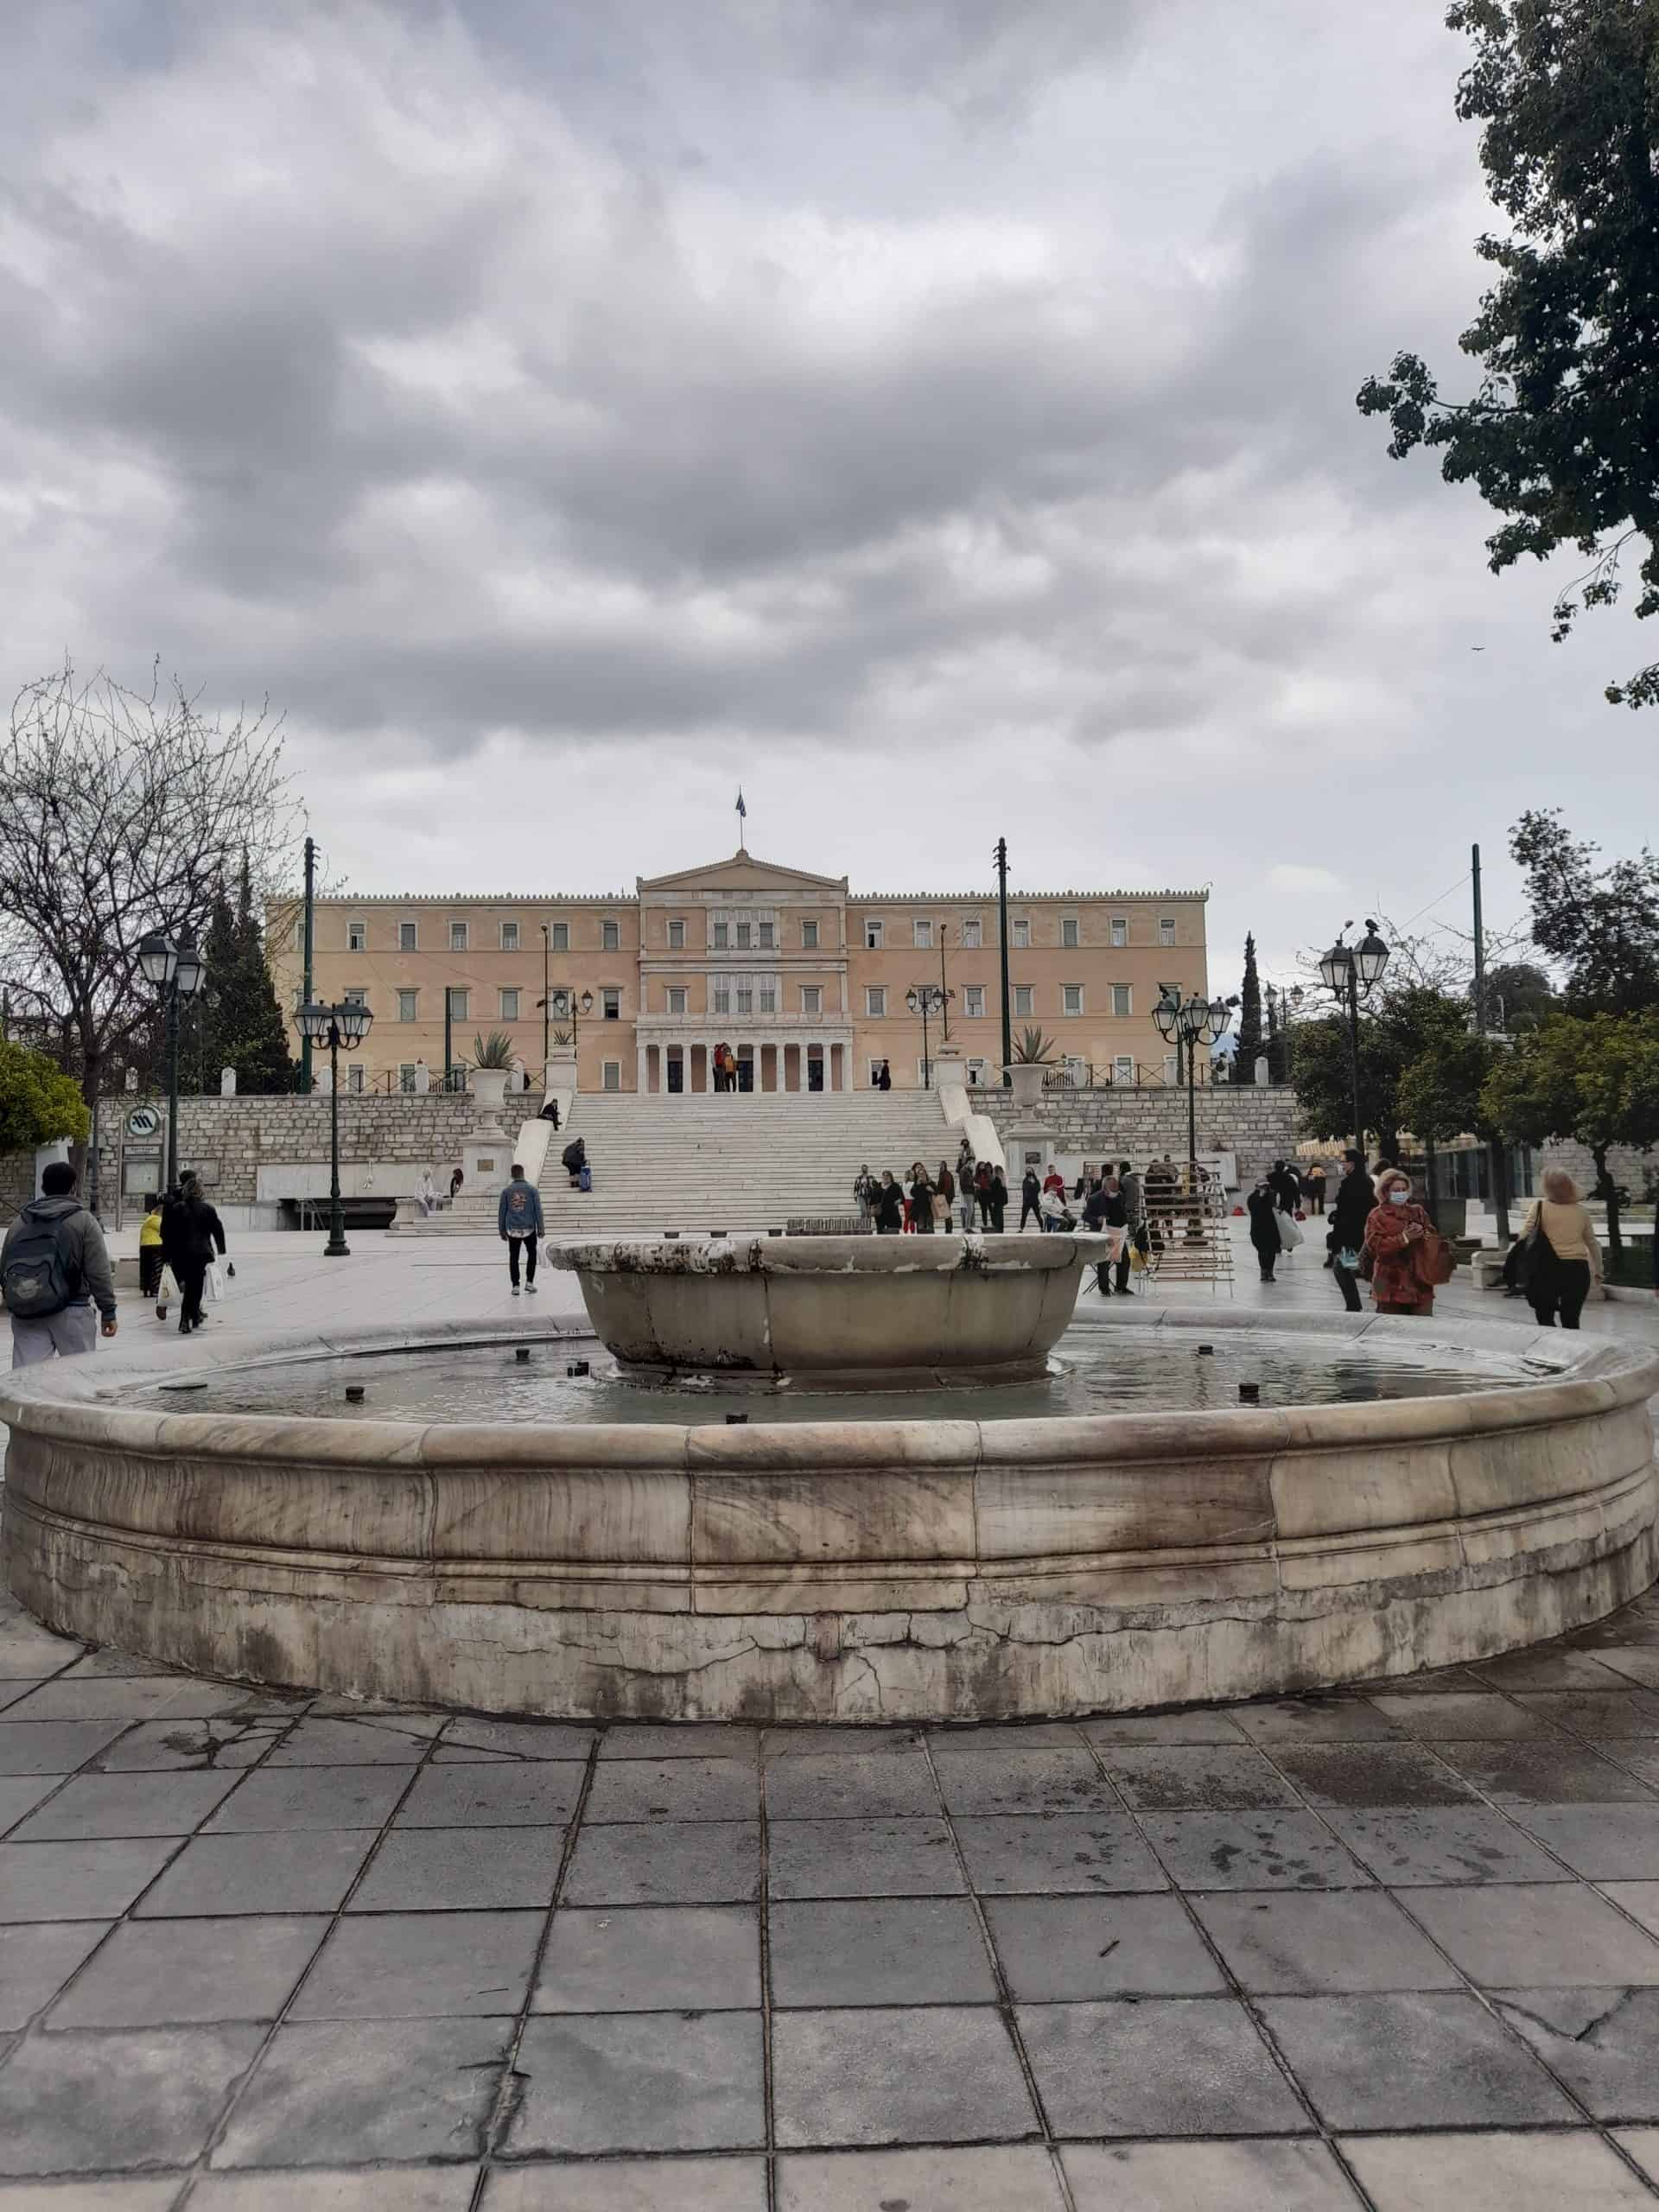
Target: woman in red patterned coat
1394,1238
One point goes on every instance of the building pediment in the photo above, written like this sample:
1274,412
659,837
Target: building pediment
741,872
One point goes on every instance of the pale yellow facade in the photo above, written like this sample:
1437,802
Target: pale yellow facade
805,979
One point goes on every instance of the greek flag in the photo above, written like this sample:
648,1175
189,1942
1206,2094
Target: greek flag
742,809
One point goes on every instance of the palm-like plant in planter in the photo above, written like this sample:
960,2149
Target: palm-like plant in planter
1033,1048
495,1051
1033,1053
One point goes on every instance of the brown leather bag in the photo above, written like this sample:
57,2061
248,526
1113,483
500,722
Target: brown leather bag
1432,1262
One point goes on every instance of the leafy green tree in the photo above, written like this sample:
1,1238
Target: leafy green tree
1601,922
1561,433
241,1024
1249,1019
1393,1035
1518,992
38,1102
1591,1078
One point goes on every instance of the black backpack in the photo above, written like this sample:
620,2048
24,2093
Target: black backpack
37,1280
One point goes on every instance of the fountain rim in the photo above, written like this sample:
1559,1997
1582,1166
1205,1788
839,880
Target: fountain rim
58,1400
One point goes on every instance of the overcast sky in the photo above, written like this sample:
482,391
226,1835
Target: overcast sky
937,415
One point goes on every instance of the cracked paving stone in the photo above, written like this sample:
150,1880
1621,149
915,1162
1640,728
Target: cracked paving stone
899,2074
1253,1851
1411,2059
173,1697
310,1797
652,1959
1603,2042
1549,1935
96,1805
20,1793
77,1881
52,1746
1063,1852
409,1965
36,1960
1158,2066
350,1742
226,1874
85,2103
344,2092
167,1747
589,2083
466,1740
1316,1720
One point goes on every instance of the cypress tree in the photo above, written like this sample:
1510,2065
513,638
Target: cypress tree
1249,1019
242,1025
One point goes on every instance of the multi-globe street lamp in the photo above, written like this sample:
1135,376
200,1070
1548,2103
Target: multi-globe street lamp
334,1026
1350,973
926,999
564,1003
1192,1022
174,966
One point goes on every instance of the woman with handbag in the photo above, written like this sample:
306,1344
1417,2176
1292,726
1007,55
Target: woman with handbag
1405,1247
1561,1256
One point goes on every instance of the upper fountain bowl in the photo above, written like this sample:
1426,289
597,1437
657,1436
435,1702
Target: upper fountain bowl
849,1310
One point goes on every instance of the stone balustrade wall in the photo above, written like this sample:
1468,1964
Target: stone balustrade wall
1255,1122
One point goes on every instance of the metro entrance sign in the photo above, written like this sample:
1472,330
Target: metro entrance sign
143,1121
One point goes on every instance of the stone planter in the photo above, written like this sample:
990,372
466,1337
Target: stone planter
1026,1079
489,1087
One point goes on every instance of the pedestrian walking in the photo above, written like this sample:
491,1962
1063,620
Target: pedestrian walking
1560,1256
864,1194
54,1266
921,1200
518,1217
995,1201
884,1077
1286,1186
192,1233
1031,1199
1263,1208
945,1198
149,1247
1395,1237
889,1206
966,1190
1345,1239
574,1161
1314,1183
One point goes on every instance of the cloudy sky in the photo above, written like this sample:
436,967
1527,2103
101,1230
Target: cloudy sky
937,415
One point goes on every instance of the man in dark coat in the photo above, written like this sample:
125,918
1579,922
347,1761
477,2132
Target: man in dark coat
191,1233
1031,1197
1355,1196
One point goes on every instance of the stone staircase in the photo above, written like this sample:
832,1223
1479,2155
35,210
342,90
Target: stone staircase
733,1160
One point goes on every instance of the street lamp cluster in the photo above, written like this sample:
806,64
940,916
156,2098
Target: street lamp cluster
172,965
1189,1023
347,1024
928,999
1350,973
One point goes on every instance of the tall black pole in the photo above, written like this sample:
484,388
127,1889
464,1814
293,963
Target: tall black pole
172,1160
308,929
1495,1154
1002,911
448,1013
927,1058
1192,1110
944,995
545,941
336,1248
1353,1045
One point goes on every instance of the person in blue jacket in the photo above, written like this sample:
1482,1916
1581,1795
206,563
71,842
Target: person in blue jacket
518,1217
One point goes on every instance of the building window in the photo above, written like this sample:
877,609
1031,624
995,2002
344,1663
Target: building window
768,997
873,932
509,937
1070,998
744,932
409,1004
509,1006
1120,929
677,936
611,1076
811,998
408,937
559,935
354,1080
613,1004
1171,1068
457,937
971,933
1167,929
1068,932
1123,1068
355,998
745,998
1021,933
723,936
1123,1000
875,1000
1022,998
723,995
973,1002
406,1076
458,1000
768,935
676,999
921,932
357,936
610,937
808,937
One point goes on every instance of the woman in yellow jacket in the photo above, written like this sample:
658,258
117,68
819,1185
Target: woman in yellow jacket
1562,1256
149,1247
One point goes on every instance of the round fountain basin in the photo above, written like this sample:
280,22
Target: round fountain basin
904,1309
966,1567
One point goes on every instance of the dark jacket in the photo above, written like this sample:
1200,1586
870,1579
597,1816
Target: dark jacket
1116,1211
888,1200
997,1199
191,1231
81,1248
1030,1189
1355,1196
1264,1227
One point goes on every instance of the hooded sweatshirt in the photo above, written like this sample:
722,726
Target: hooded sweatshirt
80,1240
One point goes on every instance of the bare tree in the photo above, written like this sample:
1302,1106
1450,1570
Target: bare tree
122,813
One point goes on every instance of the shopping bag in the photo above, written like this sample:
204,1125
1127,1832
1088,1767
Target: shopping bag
1289,1235
215,1281
166,1289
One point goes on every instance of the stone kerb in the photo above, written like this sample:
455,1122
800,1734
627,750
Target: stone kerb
954,1569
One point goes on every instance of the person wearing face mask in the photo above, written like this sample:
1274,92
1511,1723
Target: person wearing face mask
1263,1205
1393,1237
1355,1196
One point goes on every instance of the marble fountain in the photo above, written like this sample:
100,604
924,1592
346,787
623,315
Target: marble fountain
839,1478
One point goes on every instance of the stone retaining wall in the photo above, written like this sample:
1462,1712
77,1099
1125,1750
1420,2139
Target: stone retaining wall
227,1141
1257,1123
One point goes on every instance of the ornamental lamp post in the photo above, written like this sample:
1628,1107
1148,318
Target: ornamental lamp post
334,1026
1350,973
925,999
1191,1022
564,1004
175,968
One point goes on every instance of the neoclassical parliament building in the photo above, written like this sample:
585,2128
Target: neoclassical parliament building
807,981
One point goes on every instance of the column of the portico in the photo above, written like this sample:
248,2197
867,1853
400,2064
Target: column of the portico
645,1068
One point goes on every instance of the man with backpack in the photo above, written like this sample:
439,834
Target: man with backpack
54,1266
